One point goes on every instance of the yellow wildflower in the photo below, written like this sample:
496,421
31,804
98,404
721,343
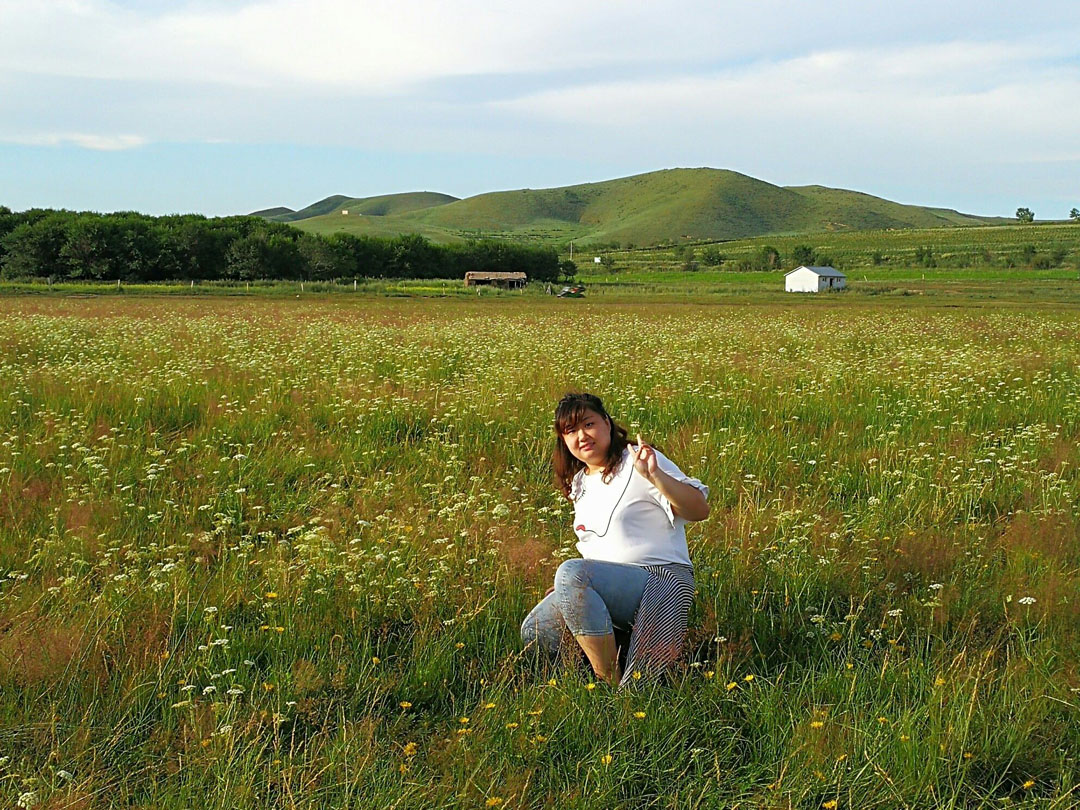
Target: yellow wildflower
494,801
271,595
464,720
553,682
409,749
639,715
731,686
709,674
816,724
511,725
590,686
1029,784
749,678
636,674
605,759
489,705
405,704
830,805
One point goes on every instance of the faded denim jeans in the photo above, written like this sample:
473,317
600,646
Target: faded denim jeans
591,598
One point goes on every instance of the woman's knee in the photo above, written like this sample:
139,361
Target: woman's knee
530,629
543,628
571,576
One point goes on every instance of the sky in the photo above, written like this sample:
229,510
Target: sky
228,106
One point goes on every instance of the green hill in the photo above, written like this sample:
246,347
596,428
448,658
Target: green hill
645,209
381,206
271,213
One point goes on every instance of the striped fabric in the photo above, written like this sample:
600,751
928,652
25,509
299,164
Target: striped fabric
660,626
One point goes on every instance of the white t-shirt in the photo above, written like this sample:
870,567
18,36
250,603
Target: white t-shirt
628,520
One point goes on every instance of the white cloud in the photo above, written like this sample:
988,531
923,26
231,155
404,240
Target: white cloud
988,100
97,142
382,46
376,46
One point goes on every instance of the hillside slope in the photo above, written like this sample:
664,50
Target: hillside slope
672,204
380,206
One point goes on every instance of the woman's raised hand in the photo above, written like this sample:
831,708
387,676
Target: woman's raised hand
645,459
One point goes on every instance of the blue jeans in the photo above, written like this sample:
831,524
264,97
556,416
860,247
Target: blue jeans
591,598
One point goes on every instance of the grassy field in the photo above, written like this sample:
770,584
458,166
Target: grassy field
268,552
660,280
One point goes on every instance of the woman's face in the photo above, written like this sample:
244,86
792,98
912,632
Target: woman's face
589,441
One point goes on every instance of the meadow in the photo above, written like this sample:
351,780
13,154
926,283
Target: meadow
273,551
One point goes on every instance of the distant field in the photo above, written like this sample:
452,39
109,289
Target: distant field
982,249
952,287
269,551
642,281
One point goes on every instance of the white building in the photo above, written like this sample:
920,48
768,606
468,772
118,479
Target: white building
814,279
596,260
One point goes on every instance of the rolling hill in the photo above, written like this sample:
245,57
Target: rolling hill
381,206
645,209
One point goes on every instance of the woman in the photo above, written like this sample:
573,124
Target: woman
630,505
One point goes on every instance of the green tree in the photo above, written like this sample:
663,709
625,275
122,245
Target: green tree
712,256
567,270
1025,215
767,258
1074,215
802,255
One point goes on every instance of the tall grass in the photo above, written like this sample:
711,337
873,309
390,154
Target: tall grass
275,553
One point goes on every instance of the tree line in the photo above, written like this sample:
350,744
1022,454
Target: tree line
132,247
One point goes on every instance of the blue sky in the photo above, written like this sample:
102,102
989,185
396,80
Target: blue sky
226,106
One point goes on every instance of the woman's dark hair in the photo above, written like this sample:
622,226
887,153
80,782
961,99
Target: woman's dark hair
568,415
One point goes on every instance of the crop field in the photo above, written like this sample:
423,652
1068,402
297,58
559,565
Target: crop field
261,552
982,249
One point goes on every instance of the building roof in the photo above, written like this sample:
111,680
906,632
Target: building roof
821,271
492,275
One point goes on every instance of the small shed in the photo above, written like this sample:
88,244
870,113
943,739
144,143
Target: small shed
345,211
814,279
597,260
506,280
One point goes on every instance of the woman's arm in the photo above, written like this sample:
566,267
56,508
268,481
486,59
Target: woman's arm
687,501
